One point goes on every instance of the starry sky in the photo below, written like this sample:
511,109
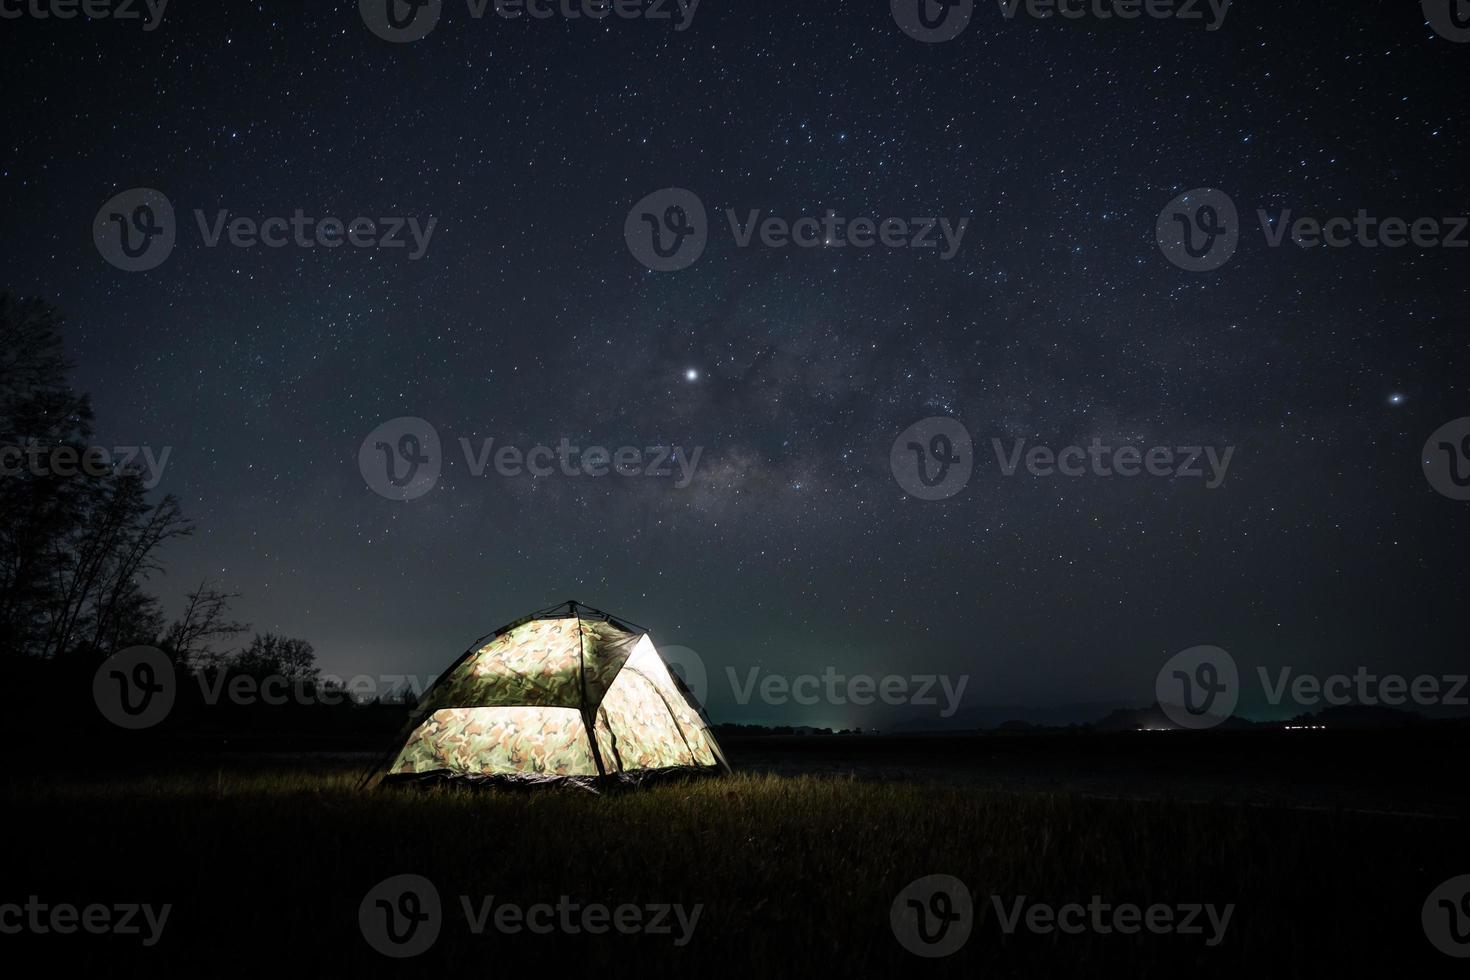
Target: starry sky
528,320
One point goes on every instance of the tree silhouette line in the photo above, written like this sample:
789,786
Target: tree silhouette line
80,543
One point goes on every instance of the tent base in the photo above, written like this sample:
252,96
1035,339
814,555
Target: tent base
612,782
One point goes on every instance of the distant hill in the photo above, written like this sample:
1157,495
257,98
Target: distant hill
994,716
1362,716
1106,718
1153,717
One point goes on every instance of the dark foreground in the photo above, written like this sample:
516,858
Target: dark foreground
266,867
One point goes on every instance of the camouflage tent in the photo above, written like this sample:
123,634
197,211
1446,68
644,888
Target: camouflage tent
566,694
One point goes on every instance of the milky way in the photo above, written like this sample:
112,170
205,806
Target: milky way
1056,321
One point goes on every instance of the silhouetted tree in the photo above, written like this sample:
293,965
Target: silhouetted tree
39,415
269,655
75,546
205,620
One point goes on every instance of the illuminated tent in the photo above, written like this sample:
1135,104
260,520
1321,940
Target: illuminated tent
566,694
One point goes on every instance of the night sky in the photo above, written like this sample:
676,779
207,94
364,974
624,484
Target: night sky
1059,320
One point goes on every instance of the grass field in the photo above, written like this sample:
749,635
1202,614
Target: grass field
266,867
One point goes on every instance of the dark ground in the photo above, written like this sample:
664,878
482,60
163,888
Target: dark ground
796,860
1400,772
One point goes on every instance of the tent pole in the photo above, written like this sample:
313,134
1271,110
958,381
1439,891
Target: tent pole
587,720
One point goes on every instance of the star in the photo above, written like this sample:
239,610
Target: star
1043,329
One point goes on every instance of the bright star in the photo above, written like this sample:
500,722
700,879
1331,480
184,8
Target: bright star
1395,399
691,375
